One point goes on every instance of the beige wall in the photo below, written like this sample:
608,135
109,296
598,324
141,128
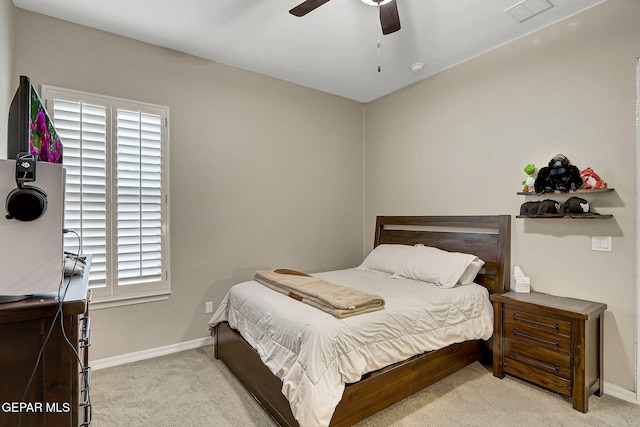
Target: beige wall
7,83
457,143
264,173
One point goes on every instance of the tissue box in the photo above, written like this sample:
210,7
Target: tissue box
520,284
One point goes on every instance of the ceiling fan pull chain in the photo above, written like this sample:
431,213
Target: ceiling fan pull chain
379,66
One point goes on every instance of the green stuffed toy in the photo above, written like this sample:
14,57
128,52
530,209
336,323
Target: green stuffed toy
529,182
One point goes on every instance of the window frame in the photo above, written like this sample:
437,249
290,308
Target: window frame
114,294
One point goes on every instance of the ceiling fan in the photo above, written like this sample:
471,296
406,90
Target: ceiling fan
389,18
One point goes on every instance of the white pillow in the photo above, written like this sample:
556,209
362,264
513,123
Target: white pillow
433,265
386,258
471,272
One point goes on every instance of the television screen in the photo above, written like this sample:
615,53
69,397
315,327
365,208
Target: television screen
30,127
43,138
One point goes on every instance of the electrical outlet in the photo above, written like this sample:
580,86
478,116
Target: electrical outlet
208,307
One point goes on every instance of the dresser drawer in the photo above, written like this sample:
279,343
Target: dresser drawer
542,331
545,360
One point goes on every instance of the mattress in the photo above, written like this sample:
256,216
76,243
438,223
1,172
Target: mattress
316,354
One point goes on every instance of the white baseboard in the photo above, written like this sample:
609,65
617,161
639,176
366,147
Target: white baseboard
621,393
149,354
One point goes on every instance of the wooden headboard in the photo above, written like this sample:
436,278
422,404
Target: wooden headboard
488,237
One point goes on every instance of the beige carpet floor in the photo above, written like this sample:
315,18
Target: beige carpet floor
192,388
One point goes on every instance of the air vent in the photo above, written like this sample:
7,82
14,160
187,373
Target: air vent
527,9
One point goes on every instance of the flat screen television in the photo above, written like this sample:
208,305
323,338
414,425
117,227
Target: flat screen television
30,129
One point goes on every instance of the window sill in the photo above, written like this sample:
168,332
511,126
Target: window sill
100,303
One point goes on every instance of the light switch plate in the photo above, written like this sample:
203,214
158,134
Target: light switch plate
601,243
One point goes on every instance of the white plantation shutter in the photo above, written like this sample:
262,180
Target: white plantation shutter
83,128
139,186
115,154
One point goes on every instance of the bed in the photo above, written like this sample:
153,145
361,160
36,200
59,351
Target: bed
261,373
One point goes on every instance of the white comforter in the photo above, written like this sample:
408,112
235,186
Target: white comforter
315,354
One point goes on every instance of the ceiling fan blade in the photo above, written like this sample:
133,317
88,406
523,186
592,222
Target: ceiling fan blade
389,18
306,7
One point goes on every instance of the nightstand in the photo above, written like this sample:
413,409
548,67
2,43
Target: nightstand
554,342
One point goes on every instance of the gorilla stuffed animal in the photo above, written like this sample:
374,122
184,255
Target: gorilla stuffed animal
560,175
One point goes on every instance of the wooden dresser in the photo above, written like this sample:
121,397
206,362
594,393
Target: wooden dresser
551,341
50,389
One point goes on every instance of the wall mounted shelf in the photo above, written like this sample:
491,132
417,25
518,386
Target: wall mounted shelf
567,193
601,216
578,193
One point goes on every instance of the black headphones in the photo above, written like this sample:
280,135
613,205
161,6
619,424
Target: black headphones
26,203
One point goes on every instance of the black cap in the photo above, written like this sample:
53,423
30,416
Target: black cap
543,209
549,208
577,207
529,209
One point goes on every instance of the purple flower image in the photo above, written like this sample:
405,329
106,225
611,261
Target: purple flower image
40,141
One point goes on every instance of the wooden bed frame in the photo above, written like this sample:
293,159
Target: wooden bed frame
488,237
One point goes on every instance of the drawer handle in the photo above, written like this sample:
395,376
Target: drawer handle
520,334
86,378
556,326
86,341
86,328
85,401
535,362
85,386
88,415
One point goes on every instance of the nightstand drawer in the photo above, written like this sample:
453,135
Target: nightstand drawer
537,376
542,331
538,358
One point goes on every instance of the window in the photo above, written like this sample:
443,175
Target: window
116,159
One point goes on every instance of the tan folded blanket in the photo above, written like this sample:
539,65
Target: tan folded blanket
337,300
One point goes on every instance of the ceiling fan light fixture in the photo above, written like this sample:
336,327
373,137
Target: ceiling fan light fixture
375,2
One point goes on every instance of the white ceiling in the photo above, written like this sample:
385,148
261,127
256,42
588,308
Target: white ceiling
332,49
